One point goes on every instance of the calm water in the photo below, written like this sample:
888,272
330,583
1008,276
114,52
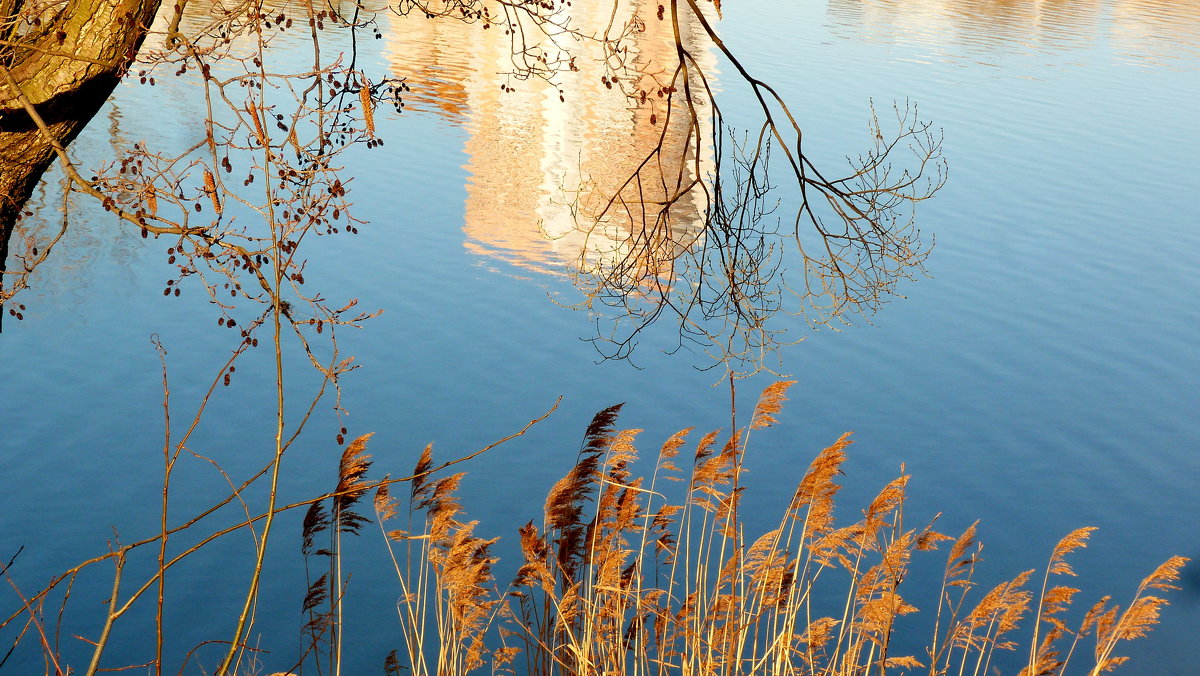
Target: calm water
1043,377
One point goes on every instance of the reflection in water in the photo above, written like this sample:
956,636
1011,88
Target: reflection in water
544,159
55,248
620,168
52,252
1159,31
1151,31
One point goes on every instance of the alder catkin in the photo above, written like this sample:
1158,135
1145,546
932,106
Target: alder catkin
258,128
364,96
210,187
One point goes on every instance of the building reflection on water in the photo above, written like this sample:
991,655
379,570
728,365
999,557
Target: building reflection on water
1148,31
544,159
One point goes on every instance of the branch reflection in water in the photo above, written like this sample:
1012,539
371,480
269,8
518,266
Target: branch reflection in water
618,166
674,217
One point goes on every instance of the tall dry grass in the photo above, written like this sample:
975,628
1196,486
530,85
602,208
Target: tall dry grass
620,578
656,575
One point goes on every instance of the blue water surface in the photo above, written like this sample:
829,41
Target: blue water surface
1043,375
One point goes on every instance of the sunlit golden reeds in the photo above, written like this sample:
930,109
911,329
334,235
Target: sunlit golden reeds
657,575
660,575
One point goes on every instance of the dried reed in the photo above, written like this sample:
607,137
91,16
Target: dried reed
620,579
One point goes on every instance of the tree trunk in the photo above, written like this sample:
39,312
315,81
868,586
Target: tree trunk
66,67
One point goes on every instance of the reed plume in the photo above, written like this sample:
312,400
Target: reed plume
626,576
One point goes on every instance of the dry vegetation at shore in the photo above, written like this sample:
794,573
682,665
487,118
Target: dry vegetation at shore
620,579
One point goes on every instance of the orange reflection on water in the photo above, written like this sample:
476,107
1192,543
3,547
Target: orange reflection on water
545,159
1147,30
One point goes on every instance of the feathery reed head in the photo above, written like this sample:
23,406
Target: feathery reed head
351,470
316,520
351,485
420,473
1076,539
385,505
770,402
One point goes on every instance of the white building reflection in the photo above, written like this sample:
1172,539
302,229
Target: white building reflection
545,160
1141,30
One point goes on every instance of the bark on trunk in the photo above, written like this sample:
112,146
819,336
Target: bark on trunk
66,67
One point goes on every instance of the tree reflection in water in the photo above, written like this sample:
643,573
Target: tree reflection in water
641,189
681,227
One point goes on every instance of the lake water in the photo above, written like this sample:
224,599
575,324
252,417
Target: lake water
1044,375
